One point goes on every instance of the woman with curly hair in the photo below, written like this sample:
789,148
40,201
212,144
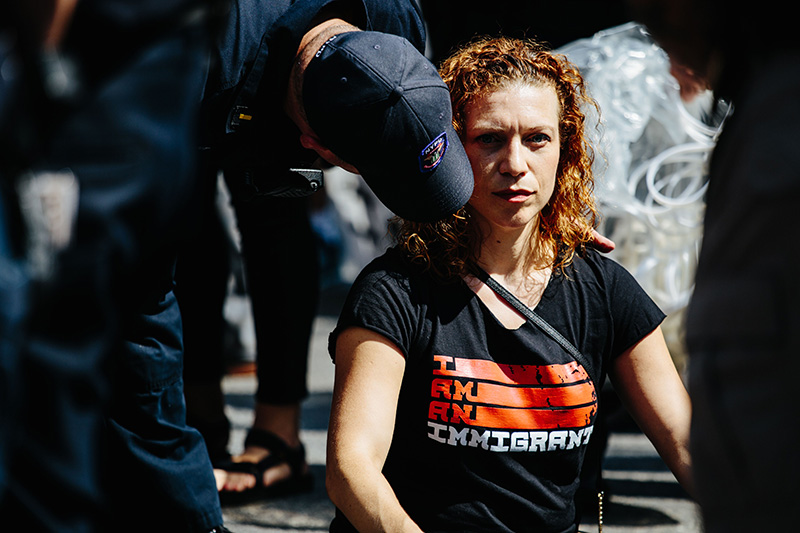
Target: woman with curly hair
469,356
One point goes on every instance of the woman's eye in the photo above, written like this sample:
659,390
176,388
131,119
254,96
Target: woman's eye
539,138
486,138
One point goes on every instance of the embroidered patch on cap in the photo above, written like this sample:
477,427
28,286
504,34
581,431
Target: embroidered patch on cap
432,155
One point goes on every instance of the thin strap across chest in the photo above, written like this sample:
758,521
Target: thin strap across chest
529,313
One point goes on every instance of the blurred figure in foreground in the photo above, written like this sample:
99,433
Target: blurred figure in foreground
743,325
98,150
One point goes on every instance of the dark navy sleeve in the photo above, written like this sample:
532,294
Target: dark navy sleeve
398,17
253,54
124,15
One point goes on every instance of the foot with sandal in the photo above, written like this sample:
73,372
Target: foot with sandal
273,462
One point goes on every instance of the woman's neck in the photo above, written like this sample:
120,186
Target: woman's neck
514,253
522,268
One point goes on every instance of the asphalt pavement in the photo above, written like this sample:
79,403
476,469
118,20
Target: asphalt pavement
642,494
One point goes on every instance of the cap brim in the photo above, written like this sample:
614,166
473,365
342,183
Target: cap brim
429,196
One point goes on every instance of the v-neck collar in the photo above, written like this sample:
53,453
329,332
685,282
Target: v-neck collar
546,293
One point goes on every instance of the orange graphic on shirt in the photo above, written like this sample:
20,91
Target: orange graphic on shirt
486,394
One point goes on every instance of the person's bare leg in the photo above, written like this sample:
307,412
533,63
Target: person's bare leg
283,421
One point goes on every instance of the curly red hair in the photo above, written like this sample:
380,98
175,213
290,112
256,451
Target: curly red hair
565,224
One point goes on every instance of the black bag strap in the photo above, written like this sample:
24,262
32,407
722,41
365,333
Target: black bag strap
537,320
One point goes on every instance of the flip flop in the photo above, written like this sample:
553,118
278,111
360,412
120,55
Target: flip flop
298,481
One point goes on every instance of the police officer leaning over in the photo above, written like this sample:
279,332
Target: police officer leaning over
344,80
264,125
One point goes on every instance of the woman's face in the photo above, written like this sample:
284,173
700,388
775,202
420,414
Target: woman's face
512,140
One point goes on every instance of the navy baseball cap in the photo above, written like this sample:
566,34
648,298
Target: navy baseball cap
380,105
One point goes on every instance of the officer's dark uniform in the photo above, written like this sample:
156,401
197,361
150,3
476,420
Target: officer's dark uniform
247,136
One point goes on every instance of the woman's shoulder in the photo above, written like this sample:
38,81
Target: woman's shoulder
394,272
592,263
391,265
393,277
380,299
607,276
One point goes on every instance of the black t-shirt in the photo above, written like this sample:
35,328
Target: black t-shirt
492,424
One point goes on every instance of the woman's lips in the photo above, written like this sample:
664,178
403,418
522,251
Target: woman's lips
513,195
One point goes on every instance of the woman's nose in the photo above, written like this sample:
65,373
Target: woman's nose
513,163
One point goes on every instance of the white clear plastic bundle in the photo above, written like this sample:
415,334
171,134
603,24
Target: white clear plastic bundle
652,150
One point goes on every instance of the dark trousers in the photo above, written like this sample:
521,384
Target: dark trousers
281,270
282,273
158,467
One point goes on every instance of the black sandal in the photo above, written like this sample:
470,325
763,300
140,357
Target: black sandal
299,480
